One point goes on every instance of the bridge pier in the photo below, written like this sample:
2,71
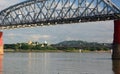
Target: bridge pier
1,43
116,41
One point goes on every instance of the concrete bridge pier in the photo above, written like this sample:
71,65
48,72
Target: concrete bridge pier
1,43
116,41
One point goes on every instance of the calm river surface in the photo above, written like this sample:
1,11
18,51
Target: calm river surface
57,63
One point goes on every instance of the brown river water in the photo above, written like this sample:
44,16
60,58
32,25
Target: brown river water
58,63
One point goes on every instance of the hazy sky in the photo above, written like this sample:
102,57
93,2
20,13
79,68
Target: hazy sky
92,31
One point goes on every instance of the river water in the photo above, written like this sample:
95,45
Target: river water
57,63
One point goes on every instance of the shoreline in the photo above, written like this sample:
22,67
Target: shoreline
57,51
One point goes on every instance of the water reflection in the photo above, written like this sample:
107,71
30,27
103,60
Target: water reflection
1,64
116,66
30,62
38,63
56,63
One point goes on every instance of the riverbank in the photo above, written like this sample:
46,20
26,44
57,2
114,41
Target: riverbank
58,51
12,50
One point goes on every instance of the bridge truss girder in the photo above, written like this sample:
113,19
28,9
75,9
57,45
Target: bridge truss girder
50,12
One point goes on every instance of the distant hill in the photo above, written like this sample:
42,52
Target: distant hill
83,45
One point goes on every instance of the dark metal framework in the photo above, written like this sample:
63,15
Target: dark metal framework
49,12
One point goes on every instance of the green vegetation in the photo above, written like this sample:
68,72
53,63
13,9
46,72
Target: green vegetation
91,46
66,46
28,47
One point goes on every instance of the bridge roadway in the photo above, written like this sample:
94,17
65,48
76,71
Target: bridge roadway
61,21
32,13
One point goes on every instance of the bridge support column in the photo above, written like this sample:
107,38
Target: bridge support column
1,43
116,41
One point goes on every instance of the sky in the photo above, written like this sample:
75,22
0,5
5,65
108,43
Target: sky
92,31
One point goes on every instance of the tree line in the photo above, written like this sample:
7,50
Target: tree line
65,45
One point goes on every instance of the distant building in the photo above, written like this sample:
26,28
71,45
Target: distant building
29,42
44,44
80,50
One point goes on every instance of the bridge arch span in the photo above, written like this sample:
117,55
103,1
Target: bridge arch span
46,12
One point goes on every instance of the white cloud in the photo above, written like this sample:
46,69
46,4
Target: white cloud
36,37
10,35
92,32
6,3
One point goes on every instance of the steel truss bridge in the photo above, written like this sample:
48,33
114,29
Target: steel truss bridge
51,12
